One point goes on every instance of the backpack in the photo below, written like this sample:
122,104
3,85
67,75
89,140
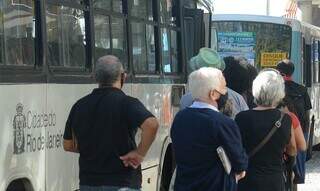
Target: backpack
296,93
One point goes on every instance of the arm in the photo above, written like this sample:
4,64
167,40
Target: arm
69,146
291,148
300,141
149,130
70,143
232,143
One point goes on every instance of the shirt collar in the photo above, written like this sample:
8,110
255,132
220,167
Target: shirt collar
202,105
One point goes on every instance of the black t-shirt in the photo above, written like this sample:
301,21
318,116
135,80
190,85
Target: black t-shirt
265,167
105,123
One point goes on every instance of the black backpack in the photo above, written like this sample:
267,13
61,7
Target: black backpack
297,94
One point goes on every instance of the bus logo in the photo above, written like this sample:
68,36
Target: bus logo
19,125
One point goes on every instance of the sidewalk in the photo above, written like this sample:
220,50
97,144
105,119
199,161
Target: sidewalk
313,174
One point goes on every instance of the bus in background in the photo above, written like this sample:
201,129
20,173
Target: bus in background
47,55
265,40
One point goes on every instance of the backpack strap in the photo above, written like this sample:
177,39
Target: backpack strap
275,127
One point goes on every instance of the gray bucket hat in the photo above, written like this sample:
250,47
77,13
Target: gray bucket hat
206,57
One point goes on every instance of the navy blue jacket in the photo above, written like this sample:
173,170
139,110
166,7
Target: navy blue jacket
196,134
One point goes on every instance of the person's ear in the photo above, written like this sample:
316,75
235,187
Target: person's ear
214,95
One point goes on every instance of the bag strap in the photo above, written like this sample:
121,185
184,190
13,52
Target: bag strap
275,127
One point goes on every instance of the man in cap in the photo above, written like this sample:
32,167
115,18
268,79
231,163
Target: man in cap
302,105
209,58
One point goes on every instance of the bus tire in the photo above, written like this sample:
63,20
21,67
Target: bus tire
22,184
169,165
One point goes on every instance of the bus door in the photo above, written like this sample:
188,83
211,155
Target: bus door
194,32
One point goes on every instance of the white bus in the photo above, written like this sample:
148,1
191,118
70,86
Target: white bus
263,40
47,53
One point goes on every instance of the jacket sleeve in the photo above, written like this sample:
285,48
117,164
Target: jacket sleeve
230,138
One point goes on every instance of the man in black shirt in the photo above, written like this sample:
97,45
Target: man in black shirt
102,127
302,105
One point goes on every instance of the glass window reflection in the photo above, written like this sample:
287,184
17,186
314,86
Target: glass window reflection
18,32
143,48
139,8
102,4
119,45
65,37
102,36
166,11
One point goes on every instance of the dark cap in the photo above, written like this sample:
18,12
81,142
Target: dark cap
285,67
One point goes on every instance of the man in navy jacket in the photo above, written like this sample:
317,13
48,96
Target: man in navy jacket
199,130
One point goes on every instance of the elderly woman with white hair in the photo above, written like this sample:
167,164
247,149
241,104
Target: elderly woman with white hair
266,135
199,130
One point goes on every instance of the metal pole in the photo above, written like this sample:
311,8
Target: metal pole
268,7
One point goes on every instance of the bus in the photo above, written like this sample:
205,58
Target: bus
265,40
48,50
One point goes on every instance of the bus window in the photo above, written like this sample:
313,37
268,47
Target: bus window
102,4
276,40
174,51
169,51
117,6
65,37
166,15
119,45
143,48
102,36
307,61
318,59
139,8
315,62
18,33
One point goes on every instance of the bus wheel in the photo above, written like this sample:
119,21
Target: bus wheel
20,185
168,167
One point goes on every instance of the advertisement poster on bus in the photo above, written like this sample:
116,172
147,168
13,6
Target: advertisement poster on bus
238,44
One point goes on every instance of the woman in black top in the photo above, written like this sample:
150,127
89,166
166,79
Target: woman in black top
265,170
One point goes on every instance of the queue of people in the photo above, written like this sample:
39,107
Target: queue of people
237,130
262,142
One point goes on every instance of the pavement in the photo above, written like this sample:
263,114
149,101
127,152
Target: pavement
312,182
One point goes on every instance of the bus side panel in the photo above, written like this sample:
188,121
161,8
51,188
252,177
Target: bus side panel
154,98
62,170
296,56
315,112
62,167
22,139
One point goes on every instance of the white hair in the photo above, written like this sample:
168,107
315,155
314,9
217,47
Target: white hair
202,81
268,88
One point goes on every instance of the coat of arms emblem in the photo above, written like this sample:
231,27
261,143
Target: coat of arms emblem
19,125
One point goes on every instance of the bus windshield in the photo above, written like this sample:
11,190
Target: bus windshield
260,43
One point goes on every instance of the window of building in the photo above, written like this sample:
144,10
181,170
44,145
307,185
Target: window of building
65,37
17,32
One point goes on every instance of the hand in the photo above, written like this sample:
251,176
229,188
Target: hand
240,176
133,159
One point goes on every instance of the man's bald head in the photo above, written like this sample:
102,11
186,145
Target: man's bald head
108,70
